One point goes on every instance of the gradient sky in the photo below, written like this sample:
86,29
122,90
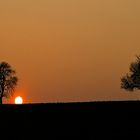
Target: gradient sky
74,50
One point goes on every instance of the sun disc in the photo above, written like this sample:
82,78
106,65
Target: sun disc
18,100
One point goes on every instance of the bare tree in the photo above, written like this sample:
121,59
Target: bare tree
131,81
8,80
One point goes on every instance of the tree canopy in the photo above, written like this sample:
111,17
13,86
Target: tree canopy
8,80
131,80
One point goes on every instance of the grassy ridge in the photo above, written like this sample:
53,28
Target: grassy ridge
91,120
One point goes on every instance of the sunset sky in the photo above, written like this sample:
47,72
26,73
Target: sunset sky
70,50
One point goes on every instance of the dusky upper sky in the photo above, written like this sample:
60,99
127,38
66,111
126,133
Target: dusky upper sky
70,50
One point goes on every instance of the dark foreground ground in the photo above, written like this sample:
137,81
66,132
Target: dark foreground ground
89,121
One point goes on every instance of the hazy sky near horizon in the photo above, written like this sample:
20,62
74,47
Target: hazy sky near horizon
74,50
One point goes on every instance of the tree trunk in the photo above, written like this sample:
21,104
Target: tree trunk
2,94
1,100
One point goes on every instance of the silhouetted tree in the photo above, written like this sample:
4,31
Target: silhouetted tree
131,80
8,80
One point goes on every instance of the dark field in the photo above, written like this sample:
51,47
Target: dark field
89,121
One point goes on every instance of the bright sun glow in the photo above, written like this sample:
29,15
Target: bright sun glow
18,100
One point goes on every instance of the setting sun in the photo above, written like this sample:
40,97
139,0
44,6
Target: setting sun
18,100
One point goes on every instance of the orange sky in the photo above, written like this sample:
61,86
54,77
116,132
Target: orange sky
74,50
